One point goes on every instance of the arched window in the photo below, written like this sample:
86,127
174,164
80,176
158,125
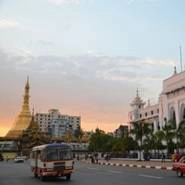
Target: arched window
172,117
182,112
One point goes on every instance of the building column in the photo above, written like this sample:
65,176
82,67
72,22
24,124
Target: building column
155,125
177,113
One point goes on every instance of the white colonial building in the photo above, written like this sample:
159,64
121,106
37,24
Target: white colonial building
171,105
57,124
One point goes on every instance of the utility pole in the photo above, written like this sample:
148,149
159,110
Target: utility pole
180,49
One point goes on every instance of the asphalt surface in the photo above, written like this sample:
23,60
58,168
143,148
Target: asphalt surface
90,174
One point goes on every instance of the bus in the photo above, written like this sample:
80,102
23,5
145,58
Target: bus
52,160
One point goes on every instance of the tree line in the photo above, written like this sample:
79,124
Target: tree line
141,137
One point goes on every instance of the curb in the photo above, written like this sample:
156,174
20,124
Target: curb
134,165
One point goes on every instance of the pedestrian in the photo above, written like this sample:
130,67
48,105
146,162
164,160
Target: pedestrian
106,157
86,156
96,157
163,158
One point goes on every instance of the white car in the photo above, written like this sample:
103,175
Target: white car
19,159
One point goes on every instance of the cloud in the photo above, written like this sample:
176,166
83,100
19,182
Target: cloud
99,87
64,2
90,66
5,23
159,62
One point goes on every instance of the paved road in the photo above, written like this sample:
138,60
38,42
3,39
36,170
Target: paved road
88,174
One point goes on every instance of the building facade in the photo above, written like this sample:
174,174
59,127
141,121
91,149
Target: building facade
121,131
57,124
170,107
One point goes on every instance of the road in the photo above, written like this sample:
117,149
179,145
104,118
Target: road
88,174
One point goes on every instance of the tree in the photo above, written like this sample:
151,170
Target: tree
168,136
158,141
68,137
100,142
129,144
31,137
78,133
180,135
140,131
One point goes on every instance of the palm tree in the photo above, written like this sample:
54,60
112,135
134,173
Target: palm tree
141,130
169,135
158,138
180,135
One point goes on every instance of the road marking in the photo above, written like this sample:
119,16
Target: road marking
112,171
158,167
148,167
91,168
150,176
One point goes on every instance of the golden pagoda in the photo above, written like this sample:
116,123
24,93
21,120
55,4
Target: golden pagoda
24,118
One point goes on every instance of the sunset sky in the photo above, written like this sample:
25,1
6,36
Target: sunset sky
87,57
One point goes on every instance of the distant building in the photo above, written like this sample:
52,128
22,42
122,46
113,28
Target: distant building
171,105
148,113
57,124
122,131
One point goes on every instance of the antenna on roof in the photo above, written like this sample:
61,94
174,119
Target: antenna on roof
180,49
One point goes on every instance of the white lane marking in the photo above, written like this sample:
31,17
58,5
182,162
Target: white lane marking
169,168
150,176
112,171
158,167
91,168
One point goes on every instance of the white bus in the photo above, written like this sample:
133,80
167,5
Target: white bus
52,160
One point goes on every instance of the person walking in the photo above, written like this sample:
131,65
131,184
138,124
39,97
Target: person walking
163,158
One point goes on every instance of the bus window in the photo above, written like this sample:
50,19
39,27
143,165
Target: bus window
33,155
52,155
58,154
38,154
65,155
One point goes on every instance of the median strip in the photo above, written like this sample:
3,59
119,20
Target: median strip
134,165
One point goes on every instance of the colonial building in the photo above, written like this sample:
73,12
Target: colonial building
57,124
171,105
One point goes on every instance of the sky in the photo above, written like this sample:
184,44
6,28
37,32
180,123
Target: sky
87,57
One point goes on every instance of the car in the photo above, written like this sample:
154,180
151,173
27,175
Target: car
179,167
19,159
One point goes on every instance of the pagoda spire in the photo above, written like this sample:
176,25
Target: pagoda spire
24,118
25,105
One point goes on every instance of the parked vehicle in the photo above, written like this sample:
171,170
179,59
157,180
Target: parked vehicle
19,159
52,160
179,166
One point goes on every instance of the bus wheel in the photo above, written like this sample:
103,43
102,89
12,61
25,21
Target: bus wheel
35,175
68,177
42,178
